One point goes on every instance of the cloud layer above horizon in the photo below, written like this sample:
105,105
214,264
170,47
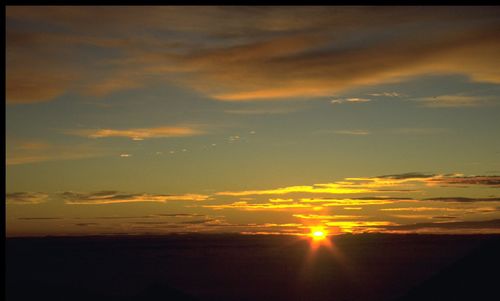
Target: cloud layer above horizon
389,204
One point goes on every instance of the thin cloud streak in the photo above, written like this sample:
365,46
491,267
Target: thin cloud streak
243,205
455,101
114,197
352,132
26,152
26,198
140,133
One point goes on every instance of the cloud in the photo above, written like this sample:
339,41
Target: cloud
479,225
421,131
347,202
412,216
24,152
261,111
140,133
316,71
255,207
349,100
420,209
159,215
181,215
463,199
352,132
408,175
327,217
38,218
257,53
455,101
333,188
458,180
26,198
452,180
281,200
405,183
114,197
385,94
359,226
86,224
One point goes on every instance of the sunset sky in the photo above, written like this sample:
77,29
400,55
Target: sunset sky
273,120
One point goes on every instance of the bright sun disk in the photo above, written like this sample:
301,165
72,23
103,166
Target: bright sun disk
318,234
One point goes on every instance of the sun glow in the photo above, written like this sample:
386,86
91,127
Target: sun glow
318,233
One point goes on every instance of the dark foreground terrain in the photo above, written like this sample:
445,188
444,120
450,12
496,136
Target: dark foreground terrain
234,267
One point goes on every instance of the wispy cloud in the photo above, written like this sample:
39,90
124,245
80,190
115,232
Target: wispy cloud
485,225
256,54
26,198
24,152
262,111
420,209
464,181
281,200
452,180
385,94
334,188
352,132
363,204
259,206
114,197
420,131
325,202
39,218
404,183
408,175
327,217
359,226
349,100
140,133
455,101
159,215
463,199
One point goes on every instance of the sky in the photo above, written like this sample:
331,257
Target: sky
255,120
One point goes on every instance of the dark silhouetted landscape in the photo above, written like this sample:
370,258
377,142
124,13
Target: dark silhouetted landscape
253,267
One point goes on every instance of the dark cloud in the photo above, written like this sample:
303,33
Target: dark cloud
408,175
86,224
197,222
487,224
467,180
444,217
462,199
23,198
175,215
152,223
114,197
381,198
39,218
180,215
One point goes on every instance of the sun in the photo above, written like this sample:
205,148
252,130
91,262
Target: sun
318,233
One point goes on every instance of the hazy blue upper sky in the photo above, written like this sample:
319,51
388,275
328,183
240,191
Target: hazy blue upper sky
141,114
